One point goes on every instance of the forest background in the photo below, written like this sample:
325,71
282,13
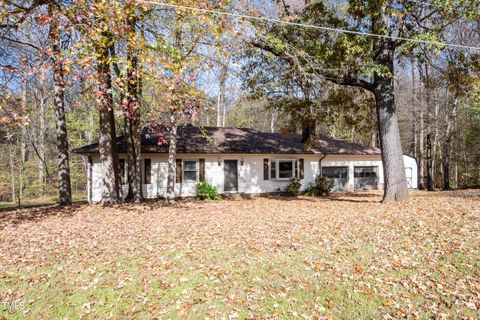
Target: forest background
76,72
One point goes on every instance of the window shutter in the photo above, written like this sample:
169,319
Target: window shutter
178,171
147,167
201,164
265,169
300,169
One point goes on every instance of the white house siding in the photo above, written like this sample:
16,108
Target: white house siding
250,174
96,179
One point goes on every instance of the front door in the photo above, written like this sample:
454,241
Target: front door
409,175
231,175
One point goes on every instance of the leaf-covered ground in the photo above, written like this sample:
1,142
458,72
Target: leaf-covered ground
347,257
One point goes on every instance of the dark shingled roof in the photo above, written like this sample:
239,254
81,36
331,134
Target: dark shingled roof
204,140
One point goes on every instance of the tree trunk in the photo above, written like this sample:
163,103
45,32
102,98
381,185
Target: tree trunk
374,131
396,188
109,188
436,110
429,163
465,161
392,156
23,140
137,138
116,162
373,139
41,142
421,135
421,147
413,144
272,120
107,143
134,159
133,153
133,113
172,155
455,175
430,170
12,172
221,101
64,189
449,119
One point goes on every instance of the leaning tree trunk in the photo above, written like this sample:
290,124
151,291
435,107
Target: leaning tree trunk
107,143
64,189
392,156
172,155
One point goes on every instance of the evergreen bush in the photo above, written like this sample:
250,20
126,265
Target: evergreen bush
206,191
293,188
320,187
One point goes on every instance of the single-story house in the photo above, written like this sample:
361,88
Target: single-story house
241,160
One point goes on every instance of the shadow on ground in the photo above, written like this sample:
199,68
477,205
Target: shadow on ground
38,212
35,213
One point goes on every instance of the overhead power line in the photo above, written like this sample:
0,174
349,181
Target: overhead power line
309,26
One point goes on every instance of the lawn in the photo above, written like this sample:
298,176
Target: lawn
344,257
29,203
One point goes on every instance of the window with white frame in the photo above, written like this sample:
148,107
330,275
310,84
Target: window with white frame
190,171
283,169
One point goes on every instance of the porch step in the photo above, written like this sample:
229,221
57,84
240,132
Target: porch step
238,196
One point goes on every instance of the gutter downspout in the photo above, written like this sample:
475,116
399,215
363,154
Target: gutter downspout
320,164
89,182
